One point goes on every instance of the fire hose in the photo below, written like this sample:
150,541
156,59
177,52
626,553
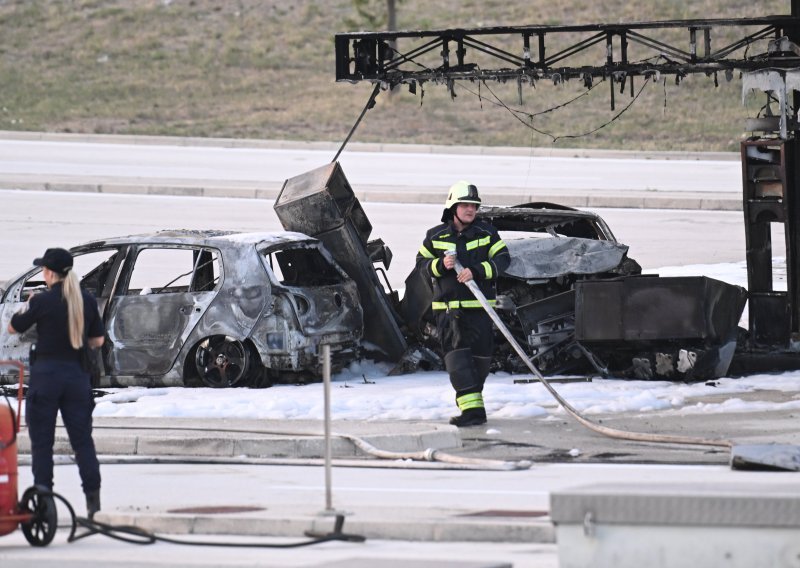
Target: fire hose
606,431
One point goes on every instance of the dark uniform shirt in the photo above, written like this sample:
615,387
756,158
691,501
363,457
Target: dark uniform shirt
479,248
48,311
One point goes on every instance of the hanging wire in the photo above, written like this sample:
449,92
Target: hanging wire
615,117
518,111
369,105
527,118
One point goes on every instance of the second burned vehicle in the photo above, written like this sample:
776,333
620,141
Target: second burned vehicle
571,294
579,304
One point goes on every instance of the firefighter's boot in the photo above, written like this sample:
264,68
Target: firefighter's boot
464,378
473,416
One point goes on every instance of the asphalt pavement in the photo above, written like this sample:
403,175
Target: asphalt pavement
518,451
377,172
197,478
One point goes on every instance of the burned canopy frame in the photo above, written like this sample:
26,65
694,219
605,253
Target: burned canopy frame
559,53
619,53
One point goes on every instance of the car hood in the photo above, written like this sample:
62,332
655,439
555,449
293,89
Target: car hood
552,257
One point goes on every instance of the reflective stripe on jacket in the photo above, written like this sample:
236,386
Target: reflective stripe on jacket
479,248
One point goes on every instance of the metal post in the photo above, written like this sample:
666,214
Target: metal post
336,533
326,378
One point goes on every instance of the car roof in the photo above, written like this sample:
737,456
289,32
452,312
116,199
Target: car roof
540,216
201,237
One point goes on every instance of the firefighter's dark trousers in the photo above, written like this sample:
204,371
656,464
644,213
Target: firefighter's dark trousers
468,343
61,385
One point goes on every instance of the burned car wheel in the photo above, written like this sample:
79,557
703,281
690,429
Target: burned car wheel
221,361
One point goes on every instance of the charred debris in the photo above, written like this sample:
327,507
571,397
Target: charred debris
571,295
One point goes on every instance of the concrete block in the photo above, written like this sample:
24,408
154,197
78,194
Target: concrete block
123,188
217,191
266,447
448,438
248,525
314,447
198,446
73,187
267,193
116,445
175,190
621,202
404,563
678,525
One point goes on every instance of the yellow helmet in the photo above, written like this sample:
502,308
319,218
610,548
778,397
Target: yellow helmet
460,192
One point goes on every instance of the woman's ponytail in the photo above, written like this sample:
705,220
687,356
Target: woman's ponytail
74,298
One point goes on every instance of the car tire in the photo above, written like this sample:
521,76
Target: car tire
221,361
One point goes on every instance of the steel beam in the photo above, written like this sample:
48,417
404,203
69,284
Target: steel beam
506,53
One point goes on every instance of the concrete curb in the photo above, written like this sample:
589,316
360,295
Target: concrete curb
402,524
253,439
259,189
709,201
366,146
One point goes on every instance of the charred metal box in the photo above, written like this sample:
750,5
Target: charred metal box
321,200
321,203
652,308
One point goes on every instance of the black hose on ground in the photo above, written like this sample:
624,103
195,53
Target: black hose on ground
137,535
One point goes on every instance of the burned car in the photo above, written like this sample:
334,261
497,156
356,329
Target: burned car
571,296
212,308
578,304
552,247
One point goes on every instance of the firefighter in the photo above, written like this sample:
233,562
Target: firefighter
67,321
464,328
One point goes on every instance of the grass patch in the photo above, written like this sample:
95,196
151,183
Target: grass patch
265,69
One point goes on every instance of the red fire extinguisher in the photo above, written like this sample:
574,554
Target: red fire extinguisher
36,513
9,427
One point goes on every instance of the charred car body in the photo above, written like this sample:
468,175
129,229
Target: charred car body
571,294
578,303
207,307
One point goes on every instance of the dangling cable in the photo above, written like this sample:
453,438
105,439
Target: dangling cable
369,105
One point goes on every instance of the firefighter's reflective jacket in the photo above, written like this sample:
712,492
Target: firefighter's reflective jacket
479,248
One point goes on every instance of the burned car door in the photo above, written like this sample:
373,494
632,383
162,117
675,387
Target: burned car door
16,347
312,302
162,294
98,266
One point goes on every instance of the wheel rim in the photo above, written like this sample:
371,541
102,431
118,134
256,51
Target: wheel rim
221,361
41,529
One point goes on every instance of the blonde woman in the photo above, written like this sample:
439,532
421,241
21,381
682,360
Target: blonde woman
66,318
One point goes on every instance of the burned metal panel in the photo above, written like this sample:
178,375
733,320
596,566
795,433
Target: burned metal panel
147,332
98,263
649,308
15,347
549,329
769,180
156,305
552,257
323,298
651,327
321,203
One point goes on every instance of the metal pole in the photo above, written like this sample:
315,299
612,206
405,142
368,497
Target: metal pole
326,377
